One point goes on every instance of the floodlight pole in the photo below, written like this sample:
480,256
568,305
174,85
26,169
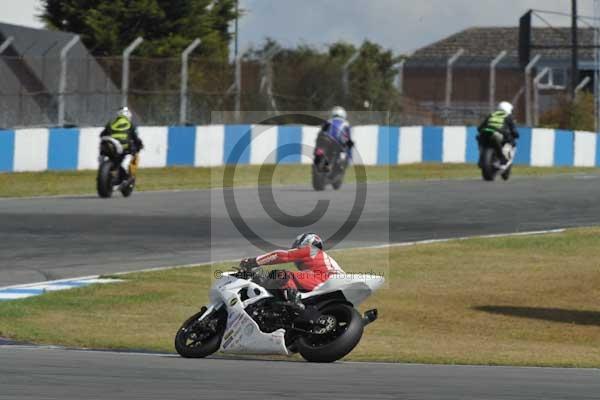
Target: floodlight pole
62,83
536,105
183,98
400,76
6,43
125,78
238,87
345,73
574,67
493,65
449,77
528,70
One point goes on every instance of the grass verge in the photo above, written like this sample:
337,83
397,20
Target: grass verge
532,300
25,184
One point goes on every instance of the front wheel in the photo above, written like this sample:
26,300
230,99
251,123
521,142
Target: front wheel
342,337
104,179
198,339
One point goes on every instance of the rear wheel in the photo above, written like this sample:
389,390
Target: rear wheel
198,339
506,174
104,179
342,335
318,179
488,171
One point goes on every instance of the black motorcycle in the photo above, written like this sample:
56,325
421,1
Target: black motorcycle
329,163
111,175
489,163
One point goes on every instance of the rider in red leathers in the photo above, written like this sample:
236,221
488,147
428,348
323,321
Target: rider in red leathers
315,266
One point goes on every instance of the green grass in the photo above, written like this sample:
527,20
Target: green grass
532,300
25,184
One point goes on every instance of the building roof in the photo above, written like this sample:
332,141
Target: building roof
482,44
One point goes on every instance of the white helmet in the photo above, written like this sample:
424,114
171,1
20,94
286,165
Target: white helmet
338,112
506,107
124,112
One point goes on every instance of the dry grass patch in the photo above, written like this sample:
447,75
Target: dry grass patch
512,301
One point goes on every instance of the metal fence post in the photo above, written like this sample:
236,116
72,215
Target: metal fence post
125,78
183,100
449,64
493,65
528,70
582,84
6,43
62,83
536,105
238,87
345,73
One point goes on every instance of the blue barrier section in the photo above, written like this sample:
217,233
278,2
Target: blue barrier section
290,138
523,155
564,148
597,151
181,145
387,145
236,149
63,148
472,148
433,137
7,150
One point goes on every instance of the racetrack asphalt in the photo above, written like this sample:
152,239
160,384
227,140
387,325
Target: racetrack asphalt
52,238
42,373
64,237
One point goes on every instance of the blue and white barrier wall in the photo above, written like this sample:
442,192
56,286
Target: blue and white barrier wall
69,149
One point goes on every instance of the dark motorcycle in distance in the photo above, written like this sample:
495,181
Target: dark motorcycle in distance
489,162
329,163
111,175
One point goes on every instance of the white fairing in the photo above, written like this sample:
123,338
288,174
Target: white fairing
355,287
243,335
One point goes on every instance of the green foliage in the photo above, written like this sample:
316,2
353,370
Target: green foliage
573,115
167,26
311,79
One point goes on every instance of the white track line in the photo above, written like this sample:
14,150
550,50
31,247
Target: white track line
382,246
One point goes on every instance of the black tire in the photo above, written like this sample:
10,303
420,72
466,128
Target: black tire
104,180
127,190
338,182
506,174
209,345
488,171
318,180
312,349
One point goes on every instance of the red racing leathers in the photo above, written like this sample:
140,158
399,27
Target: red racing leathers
315,266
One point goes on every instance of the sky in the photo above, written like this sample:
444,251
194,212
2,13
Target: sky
400,25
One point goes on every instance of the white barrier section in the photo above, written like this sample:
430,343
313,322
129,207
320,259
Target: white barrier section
365,140
585,149
154,154
31,150
264,144
542,147
309,139
89,140
454,144
209,145
410,145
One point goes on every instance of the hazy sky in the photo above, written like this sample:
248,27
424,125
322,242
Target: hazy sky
402,25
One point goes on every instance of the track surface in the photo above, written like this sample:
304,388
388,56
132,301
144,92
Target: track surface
67,374
54,238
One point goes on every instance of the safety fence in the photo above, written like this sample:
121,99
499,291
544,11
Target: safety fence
214,145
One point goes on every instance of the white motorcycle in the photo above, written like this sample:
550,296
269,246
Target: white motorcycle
243,317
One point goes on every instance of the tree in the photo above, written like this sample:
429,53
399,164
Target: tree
167,26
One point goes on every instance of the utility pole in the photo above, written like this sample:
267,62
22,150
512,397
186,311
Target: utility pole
574,69
235,48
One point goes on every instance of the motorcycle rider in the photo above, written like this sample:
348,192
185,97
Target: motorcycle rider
314,264
125,131
499,128
337,128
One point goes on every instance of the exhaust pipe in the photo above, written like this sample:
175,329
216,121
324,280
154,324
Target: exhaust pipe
369,316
